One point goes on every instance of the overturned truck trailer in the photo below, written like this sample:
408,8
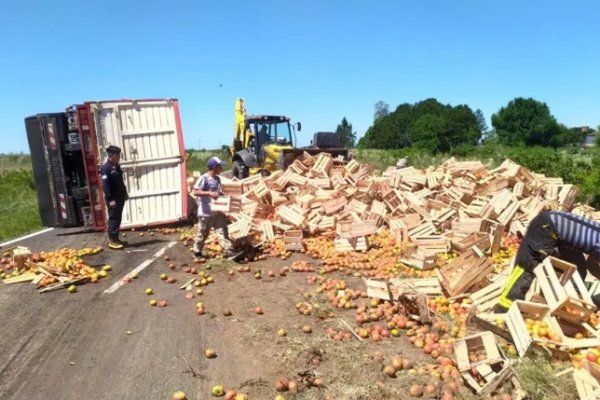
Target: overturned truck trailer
68,148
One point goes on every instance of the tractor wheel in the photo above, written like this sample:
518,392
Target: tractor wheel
239,170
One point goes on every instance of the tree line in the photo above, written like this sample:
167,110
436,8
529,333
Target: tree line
438,128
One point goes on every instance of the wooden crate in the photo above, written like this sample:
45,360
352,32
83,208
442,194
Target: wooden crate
19,255
232,188
260,193
508,213
426,286
587,381
357,206
479,208
226,204
239,229
515,321
419,260
415,307
352,167
354,244
290,215
322,165
267,230
378,208
249,183
487,297
559,282
392,200
432,245
293,240
493,367
333,206
411,221
321,183
348,230
465,271
326,223
443,219
379,289
464,243
305,200
426,229
284,179
263,211
298,167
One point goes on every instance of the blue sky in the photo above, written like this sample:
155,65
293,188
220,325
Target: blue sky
314,60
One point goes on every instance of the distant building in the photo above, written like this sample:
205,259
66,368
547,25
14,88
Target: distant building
589,136
590,139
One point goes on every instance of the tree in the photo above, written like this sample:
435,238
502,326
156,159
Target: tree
381,110
529,122
481,121
426,131
347,135
427,124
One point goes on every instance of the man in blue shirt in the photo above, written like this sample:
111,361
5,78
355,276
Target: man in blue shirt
115,194
552,233
207,188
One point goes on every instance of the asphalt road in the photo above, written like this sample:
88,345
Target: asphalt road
75,346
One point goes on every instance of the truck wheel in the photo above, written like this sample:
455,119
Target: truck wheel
239,170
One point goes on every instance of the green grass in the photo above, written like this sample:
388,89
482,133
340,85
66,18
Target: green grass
539,380
11,162
197,159
18,203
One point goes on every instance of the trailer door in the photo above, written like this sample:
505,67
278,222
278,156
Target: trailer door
152,158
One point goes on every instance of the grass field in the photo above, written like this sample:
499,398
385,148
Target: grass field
18,203
197,159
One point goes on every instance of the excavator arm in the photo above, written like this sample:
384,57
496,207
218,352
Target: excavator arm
242,135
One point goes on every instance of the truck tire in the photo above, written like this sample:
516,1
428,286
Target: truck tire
239,170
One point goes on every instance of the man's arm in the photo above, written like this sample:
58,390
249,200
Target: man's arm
203,193
198,192
105,174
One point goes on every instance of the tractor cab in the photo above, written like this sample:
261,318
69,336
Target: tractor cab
269,130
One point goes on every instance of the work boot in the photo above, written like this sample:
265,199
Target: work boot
115,244
123,242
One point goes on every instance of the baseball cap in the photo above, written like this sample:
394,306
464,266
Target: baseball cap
214,162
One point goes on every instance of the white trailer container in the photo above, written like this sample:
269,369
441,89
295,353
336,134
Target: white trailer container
153,158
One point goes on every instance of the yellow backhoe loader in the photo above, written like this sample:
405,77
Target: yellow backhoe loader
266,143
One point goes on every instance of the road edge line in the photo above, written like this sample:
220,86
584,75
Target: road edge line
115,286
26,237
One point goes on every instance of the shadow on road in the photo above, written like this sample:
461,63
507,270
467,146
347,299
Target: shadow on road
144,243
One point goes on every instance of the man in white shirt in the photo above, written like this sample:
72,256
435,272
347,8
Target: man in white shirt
207,188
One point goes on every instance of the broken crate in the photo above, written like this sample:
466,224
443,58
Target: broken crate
516,320
481,362
564,290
